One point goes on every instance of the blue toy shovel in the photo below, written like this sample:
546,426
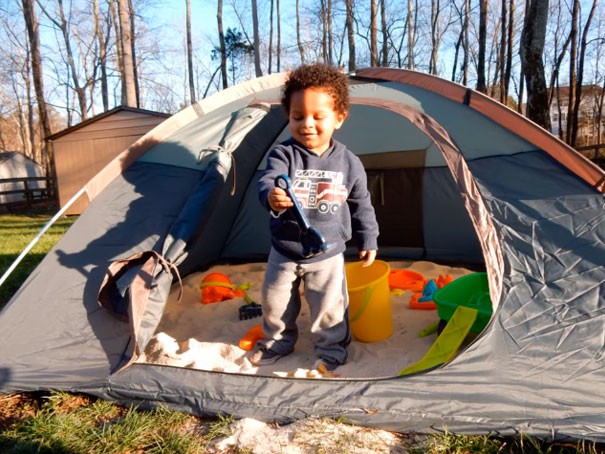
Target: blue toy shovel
312,240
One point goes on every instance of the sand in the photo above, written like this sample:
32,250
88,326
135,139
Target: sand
206,336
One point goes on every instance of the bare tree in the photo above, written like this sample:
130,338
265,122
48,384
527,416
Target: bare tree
509,51
270,66
435,35
351,34
373,34
579,82
189,51
133,53
328,28
531,50
221,40
560,52
100,37
573,54
462,42
129,97
277,4
301,49
481,85
31,23
256,40
385,34
63,25
411,34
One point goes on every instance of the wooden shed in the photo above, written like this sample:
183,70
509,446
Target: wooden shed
84,149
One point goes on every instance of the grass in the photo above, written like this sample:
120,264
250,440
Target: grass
57,422
16,232
67,423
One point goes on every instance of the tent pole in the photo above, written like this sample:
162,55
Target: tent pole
43,230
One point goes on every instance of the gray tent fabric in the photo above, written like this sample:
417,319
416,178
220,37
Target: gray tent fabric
455,178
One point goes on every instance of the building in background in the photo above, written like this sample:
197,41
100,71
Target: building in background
15,165
591,117
81,151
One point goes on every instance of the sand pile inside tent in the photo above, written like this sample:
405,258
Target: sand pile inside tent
206,336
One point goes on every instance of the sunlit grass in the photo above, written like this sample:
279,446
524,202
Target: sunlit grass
62,422
16,232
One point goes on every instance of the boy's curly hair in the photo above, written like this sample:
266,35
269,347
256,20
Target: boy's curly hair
318,75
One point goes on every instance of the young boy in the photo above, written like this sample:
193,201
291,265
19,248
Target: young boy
316,99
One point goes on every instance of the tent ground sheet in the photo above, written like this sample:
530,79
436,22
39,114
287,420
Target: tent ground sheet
207,336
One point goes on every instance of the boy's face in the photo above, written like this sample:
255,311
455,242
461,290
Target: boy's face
313,119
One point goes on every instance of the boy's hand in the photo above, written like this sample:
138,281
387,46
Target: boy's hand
278,199
367,257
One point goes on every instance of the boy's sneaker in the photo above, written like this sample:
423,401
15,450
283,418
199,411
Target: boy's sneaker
324,363
264,357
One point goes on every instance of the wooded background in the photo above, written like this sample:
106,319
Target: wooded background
64,61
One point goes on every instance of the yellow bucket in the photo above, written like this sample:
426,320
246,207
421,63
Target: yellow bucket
369,301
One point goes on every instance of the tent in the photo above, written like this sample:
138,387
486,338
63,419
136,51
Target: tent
454,176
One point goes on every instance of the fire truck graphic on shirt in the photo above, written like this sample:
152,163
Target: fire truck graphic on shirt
321,190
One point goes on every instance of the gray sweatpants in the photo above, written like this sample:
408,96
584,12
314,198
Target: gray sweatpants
325,290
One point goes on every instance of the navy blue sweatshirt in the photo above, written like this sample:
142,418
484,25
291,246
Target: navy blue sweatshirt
333,192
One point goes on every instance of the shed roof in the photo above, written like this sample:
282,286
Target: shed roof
106,114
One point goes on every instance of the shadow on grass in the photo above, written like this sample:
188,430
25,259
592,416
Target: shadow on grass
13,444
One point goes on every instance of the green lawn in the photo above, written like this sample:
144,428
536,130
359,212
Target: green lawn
16,232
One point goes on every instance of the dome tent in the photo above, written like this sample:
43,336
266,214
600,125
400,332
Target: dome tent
454,177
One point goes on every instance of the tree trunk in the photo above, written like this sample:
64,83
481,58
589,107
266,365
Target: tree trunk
323,17
116,26
435,11
128,82
301,49
509,51
385,34
278,36
257,69
221,40
559,111
102,55
465,41
578,100
80,92
30,126
554,77
189,51
133,53
351,34
599,117
457,54
31,23
411,35
329,31
481,85
502,50
270,63
373,34
531,49
573,54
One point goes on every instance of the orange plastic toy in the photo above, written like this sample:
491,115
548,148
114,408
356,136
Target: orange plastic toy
442,280
426,305
253,335
406,280
217,287
424,300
